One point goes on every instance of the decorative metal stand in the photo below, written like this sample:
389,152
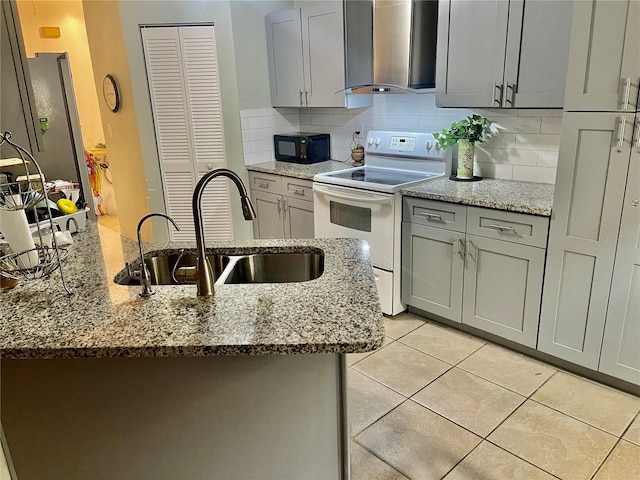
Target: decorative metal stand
21,196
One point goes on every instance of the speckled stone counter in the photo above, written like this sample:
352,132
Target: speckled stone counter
298,170
510,195
335,313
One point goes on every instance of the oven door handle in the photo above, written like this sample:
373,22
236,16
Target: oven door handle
368,197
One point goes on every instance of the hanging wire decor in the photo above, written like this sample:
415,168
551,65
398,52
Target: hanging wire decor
43,260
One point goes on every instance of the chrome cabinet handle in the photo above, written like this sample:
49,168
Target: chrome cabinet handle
284,208
627,93
301,104
511,100
460,249
306,98
497,101
298,191
278,200
502,228
621,127
475,259
263,185
638,133
431,216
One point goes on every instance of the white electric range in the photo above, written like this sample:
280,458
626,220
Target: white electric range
364,202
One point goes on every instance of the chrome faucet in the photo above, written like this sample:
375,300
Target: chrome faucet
143,276
204,271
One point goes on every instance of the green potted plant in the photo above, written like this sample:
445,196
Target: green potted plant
357,150
466,133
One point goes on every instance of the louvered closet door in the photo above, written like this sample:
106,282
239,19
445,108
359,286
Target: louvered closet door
185,95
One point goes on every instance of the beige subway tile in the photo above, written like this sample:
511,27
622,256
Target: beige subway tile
520,124
533,141
552,125
513,156
548,158
534,174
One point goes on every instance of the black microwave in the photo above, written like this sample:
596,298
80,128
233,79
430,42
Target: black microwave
301,147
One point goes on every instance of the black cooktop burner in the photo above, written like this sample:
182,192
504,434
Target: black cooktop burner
380,176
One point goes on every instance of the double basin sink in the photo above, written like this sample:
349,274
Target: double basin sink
179,269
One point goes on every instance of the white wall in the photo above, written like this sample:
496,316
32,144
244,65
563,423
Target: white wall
526,150
252,70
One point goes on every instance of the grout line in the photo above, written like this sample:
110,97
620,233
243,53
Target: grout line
606,457
462,459
575,418
523,459
637,416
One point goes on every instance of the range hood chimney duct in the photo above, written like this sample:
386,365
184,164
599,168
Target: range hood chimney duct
404,46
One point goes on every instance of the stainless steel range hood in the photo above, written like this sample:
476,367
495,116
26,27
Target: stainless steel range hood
404,46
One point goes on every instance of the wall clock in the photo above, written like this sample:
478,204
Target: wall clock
111,93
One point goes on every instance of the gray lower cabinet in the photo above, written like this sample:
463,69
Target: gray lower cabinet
433,269
475,266
284,206
503,288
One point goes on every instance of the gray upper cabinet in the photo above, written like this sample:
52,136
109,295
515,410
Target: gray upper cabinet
493,53
604,68
18,108
620,355
592,171
306,54
284,50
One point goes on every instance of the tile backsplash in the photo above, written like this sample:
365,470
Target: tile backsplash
527,148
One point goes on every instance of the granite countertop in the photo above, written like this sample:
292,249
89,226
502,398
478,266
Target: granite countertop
513,196
338,312
298,170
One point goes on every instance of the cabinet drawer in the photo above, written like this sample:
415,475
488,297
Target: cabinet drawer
265,182
513,227
434,214
297,188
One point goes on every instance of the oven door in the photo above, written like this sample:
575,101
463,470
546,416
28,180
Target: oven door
342,212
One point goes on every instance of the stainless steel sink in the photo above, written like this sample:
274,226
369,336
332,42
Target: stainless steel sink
274,268
161,267
233,269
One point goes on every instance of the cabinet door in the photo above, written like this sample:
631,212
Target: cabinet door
502,288
432,270
268,223
323,54
470,60
298,218
537,53
621,346
284,51
604,67
592,171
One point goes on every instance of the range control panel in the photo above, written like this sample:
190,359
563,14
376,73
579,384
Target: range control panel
405,144
400,144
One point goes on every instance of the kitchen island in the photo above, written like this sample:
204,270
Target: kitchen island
247,384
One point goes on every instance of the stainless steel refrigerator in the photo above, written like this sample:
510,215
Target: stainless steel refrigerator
62,153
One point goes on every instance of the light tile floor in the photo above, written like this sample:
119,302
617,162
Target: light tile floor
434,403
